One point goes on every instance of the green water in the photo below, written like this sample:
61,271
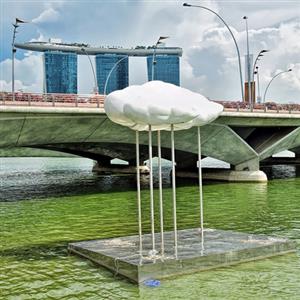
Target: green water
46,203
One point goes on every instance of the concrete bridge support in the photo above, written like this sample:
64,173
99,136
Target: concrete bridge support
242,139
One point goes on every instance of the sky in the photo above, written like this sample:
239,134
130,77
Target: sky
209,63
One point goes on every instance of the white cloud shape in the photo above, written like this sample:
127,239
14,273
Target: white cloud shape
48,15
160,104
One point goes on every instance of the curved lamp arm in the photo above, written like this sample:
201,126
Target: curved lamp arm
110,72
264,98
231,33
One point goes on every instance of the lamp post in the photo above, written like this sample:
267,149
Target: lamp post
260,54
255,72
14,50
289,70
248,65
154,54
232,35
93,70
258,99
110,72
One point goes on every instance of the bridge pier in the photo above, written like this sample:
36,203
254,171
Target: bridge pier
226,175
245,172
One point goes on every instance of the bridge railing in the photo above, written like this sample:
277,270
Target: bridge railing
271,107
97,101
54,99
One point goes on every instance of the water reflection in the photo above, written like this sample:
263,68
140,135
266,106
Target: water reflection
34,234
32,178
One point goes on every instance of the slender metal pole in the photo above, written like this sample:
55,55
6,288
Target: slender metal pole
162,243
235,42
110,72
258,88
200,185
260,54
151,191
13,74
139,192
264,99
153,63
154,54
13,49
174,191
93,70
248,66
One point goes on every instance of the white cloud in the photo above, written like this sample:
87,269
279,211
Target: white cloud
47,16
159,104
28,73
209,63
215,58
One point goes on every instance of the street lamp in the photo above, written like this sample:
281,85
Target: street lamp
235,42
110,72
161,38
258,99
93,70
260,54
248,65
14,50
289,70
255,72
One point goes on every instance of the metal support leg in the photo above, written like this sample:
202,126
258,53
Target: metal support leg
153,252
162,243
139,194
200,186
174,190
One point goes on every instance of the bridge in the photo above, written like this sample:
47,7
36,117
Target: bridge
77,124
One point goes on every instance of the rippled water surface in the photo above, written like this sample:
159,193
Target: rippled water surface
47,202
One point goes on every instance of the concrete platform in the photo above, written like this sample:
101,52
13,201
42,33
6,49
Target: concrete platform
221,248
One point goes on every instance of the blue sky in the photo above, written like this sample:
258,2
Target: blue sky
209,64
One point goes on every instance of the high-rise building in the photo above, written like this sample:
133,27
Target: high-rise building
60,72
119,76
166,68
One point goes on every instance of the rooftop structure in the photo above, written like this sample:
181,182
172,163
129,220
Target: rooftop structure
77,48
111,64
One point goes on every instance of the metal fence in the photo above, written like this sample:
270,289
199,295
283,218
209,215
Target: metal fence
55,100
97,101
271,107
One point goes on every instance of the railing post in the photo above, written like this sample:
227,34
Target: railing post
76,101
277,108
238,107
53,100
98,102
29,100
265,108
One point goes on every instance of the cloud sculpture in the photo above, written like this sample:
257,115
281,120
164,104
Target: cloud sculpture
160,104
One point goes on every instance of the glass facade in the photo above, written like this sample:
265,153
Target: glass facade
119,76
60,72
166,68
